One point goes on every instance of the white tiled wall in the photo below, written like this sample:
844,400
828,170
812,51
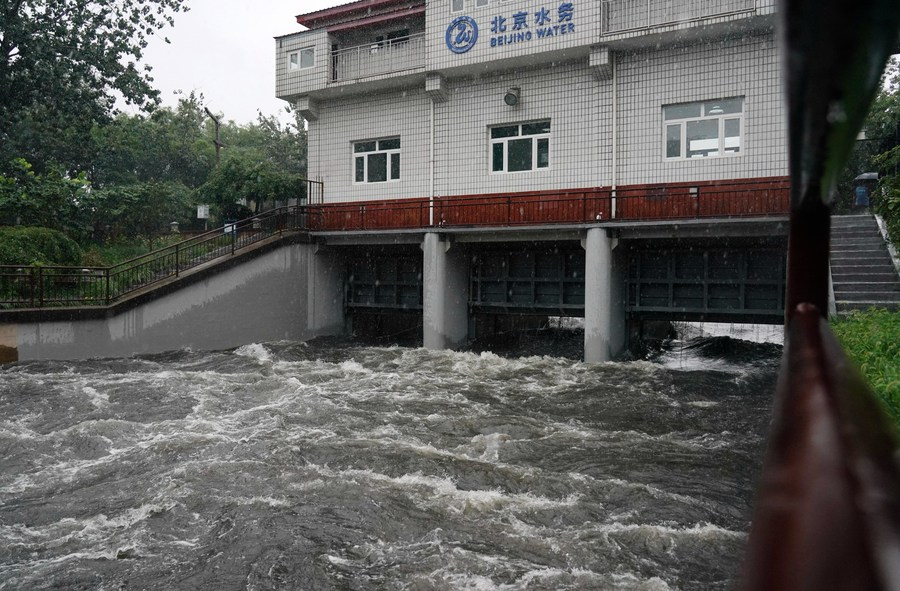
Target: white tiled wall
585,16
342,122
569,95
579,106
294,82
747,67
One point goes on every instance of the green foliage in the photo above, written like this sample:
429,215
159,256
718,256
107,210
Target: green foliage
169,145
882,128
141,209
37,246
872,340
255,182
48,200
119,250
69,59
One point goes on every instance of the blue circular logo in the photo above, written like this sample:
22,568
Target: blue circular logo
462,34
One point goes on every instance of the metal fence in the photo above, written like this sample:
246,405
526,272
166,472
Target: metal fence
644,203
42,286
382,57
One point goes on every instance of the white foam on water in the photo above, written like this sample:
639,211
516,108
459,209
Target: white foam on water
100,400
255,351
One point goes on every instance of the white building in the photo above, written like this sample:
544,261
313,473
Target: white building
424,99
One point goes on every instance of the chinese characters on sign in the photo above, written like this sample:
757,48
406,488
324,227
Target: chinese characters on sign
513,27
523,26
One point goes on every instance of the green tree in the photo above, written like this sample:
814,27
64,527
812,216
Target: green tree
62,64
48,199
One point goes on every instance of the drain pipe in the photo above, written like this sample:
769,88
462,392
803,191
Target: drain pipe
431,171
615,133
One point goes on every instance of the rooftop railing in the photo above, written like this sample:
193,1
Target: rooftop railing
620,16
374,59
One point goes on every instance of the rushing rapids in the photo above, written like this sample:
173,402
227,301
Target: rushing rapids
336,466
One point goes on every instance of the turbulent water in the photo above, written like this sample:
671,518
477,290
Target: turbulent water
337,466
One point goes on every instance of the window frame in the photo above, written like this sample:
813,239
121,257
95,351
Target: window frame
462,6
298,65
392,156
682,123
536,139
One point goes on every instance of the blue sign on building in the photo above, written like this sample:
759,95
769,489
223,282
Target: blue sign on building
462,34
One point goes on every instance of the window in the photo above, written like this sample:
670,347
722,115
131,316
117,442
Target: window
521,147
305,58
482,2
703,130
376,161
457,5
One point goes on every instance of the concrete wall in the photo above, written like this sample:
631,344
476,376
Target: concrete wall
267,298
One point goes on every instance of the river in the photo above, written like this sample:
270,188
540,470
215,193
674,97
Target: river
334,465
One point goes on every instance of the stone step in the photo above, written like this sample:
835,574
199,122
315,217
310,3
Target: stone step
867,296
855,274
853,231
868,234
844,286
857,245
879,255
844,220
844,307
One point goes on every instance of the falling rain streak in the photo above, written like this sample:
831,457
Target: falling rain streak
336,466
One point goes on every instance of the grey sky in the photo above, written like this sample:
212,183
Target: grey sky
225,50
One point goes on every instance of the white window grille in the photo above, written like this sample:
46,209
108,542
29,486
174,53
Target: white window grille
707,129
520,147
376,161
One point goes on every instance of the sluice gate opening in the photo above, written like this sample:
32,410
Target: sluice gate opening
383,298
713,284
548,281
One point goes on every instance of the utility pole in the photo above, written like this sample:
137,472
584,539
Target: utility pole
216,141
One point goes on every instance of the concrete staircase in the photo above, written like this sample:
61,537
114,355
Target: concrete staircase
862,270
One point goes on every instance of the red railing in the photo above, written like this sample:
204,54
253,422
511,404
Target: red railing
756,197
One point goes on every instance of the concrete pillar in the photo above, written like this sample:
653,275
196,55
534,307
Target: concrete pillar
604,310
325,311
445,294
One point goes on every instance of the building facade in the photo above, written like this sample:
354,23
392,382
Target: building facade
426,99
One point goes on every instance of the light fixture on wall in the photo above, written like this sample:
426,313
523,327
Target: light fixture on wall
511,97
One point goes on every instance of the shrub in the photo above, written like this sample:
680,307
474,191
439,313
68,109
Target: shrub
872,340
37,246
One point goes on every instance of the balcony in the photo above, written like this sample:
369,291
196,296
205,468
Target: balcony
620,16
376,59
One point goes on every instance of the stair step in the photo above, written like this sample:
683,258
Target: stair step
867,296
845,286
857,245
855,274
854,255
849,219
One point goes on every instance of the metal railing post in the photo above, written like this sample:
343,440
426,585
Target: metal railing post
40,287
106,274
176,259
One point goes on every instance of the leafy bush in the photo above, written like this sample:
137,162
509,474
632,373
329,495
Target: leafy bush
37,246
872,340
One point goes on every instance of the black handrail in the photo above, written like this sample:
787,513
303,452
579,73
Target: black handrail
47,286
